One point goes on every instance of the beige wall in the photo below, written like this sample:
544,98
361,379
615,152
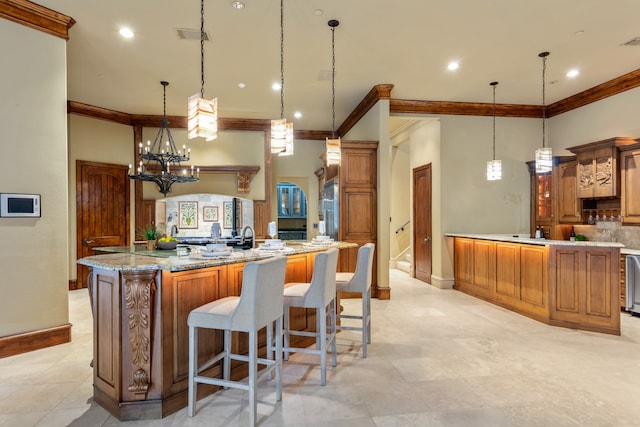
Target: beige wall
33,263
400,202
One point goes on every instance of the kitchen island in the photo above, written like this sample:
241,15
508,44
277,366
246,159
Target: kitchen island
561,283
141,300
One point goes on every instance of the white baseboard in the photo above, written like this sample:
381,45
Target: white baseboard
442,283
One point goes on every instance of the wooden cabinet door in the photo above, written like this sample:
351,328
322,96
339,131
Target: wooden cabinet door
605,172
568,209
630,188
544,197
586,175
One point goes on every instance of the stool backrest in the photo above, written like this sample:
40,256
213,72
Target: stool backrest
364,268
262,297
323,283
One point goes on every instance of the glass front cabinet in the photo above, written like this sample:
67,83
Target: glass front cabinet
292,202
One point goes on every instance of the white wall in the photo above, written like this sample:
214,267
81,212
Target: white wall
400,203
33,260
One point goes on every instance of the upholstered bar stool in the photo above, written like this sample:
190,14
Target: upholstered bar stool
360,282
321,295
260,304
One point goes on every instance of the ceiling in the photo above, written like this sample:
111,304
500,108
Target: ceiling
407,44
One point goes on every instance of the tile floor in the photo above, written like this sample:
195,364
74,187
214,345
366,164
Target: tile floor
438,358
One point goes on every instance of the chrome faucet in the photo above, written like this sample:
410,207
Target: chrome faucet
253,235
174,230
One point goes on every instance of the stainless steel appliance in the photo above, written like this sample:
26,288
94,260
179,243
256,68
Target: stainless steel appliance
633,283
331,207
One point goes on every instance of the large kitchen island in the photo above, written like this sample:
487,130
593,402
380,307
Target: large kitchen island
561,283
141,300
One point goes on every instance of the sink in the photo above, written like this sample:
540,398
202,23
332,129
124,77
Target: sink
235,242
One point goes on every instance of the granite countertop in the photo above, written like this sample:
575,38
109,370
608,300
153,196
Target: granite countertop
530,241
139,258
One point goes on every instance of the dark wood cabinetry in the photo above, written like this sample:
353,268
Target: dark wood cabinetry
630,184
568,205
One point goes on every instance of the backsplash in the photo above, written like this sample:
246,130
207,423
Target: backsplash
193,214
611,231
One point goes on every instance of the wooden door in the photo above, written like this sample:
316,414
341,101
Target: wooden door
422,223
102,209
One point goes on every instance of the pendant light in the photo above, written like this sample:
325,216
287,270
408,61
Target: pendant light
494,167
333,144
160,161
281,130
544,155
202,113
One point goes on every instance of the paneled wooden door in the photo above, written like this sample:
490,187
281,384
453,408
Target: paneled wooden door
102,209
422,223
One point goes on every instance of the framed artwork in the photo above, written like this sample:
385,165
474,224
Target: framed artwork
210,213
188,214
228,214
238,215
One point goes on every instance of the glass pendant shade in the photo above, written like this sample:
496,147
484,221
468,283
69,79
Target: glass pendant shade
494,170
544,160
333,151
288,142
202,118
278,135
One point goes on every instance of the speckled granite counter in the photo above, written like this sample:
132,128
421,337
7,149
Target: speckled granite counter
130,258
530,241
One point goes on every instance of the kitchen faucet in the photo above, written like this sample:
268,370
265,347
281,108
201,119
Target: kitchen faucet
174,230
253,235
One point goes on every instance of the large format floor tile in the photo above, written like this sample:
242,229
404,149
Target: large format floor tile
437,358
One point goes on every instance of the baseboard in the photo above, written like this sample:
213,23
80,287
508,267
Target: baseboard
73,285
383,293
442,283
34,340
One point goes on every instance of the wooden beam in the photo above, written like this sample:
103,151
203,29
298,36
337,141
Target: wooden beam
74,107
378,92
464,108
37,17
612,87
313,135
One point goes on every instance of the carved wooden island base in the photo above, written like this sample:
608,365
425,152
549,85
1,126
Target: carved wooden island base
141,304
561,283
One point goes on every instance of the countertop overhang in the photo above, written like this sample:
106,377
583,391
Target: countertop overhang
530,241
131,258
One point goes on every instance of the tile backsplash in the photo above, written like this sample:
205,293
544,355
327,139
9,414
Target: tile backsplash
611,231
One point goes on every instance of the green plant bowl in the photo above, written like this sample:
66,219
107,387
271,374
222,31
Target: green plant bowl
580,238
166,245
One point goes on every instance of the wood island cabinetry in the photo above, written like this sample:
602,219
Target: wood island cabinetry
570,284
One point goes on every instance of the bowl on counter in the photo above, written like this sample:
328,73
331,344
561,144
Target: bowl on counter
166,245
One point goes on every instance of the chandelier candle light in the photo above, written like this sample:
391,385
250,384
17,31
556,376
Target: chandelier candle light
494,167
281,130
333,144
544,155
202,113
168,170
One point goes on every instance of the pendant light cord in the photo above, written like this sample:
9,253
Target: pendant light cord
202,49
494,84
544,55
333,81
281,59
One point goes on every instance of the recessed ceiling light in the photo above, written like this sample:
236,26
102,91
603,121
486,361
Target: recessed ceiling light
572,73
453,66
275,86
297,114
126,32
242,85
318,12
237,5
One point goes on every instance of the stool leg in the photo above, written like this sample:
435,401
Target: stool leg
253,372
193,356
269,355
364,324
286,333
227,359
322,336
332,331
278,358
369,315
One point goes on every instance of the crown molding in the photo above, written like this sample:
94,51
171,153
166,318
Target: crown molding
38,17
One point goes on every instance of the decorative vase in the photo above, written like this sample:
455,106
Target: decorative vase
151,245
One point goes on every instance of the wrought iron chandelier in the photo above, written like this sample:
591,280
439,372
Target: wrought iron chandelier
494,167
333,143
160,161
544,155
281,130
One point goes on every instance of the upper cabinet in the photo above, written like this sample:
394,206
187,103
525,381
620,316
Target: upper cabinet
598,172
630,184
292,202
568,207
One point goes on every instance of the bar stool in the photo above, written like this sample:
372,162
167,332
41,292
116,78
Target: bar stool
360,282
321,295
259,305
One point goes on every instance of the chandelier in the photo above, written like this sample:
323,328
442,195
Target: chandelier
494,167
544,155
333,144
160,161
202,113
281,130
